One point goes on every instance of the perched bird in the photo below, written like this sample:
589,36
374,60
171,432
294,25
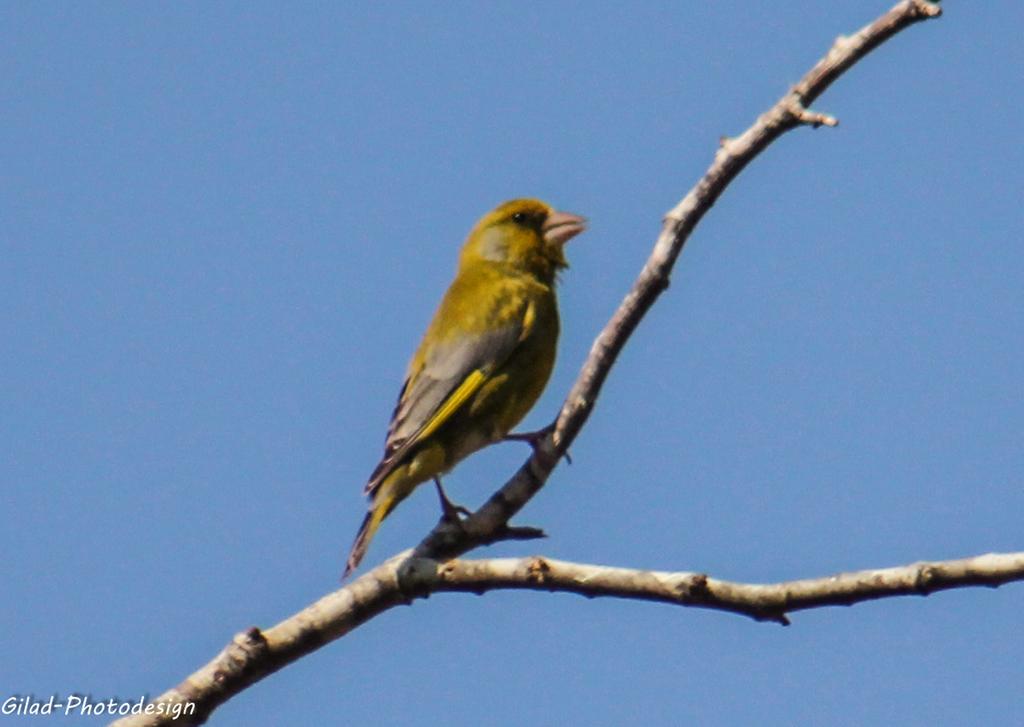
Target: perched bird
484,360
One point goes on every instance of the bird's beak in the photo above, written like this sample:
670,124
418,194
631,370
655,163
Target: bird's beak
560,227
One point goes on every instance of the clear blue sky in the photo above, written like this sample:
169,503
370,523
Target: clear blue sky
224,227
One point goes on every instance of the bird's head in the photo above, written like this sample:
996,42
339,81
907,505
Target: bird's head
525,234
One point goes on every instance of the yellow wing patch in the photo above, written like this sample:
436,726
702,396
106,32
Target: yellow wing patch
456,399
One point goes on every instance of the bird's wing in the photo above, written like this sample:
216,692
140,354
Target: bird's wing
450,374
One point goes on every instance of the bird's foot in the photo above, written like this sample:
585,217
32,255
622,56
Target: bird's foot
450,512
535,438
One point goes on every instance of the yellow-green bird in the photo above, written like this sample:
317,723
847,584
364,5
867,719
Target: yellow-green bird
484,360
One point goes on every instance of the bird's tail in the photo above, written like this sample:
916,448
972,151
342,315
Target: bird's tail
381,505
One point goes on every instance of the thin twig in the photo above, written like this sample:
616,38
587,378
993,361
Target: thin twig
762,602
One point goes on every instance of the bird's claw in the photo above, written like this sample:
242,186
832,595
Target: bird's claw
450,511
535,438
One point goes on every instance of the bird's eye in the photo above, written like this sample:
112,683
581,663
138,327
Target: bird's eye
519,218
